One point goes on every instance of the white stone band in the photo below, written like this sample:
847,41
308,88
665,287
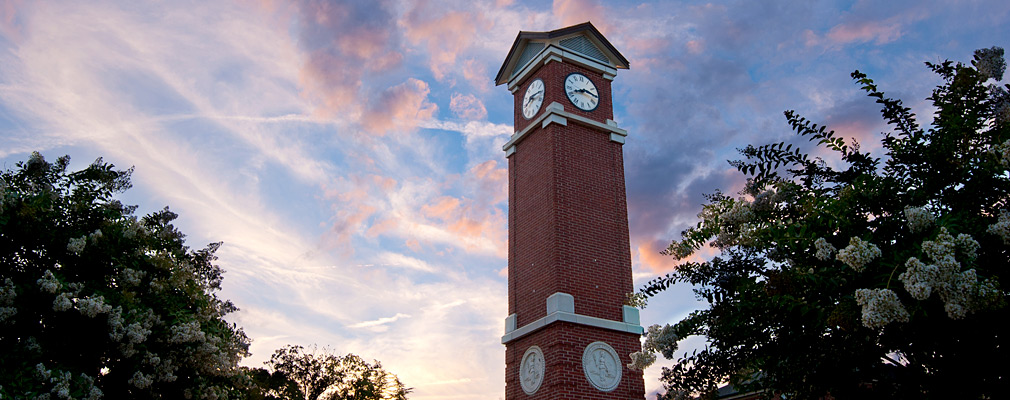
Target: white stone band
561,307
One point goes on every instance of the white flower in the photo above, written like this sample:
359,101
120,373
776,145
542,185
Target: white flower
918,278
943,246
968,245
187,332
94,236
140,380
7,296
76,245
641,360
136,333
63,302
824,249
92,306
48,283
131,277
858,253
739,213
880,307
1002,226
660,339
990,63
918,218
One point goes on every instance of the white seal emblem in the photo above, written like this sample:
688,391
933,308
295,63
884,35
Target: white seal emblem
531,370
602,366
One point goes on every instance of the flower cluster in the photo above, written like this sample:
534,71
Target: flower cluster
1002,226
92,306
658,339
140,380
990,63
134,228
944,276
131,277
7,296
824,249
187,332
641,360
48,283
858,253
76,245
918,218
880,307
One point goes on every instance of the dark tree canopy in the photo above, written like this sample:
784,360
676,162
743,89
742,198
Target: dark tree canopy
321,375
881,278
97,303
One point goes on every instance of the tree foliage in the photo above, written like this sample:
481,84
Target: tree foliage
878,278
95,302
314,375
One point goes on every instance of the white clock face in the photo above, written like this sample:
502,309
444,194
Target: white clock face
533,98
581,92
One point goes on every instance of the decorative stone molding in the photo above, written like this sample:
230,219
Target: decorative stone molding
555,113
531,370
602,366
561,307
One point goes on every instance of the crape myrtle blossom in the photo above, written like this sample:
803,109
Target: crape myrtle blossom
959,290
1002,226
858,253
824,249
658,339
919,219
990,63
880,307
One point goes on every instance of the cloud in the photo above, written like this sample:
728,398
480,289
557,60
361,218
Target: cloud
401,107
864,31
378,325
467,106
571,12
344,43
446,33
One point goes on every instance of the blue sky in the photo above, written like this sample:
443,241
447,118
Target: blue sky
349,153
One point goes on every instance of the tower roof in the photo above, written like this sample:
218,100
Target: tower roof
582,39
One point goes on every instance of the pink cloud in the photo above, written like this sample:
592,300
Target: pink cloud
475,73
10,20
467,106
572,12
400,107
880,32
446,33
650,259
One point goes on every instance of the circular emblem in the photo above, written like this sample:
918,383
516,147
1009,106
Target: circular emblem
602,366
531,370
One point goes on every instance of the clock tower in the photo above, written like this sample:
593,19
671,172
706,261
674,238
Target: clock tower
568,334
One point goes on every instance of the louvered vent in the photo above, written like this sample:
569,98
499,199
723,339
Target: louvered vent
584,46
529,52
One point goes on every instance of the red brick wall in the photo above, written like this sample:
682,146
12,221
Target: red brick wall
563,344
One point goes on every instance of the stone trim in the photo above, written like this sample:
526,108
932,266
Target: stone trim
561,308
555,113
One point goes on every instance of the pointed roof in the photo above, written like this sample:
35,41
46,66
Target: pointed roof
582,39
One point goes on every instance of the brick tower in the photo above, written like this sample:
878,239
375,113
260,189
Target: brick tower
568,335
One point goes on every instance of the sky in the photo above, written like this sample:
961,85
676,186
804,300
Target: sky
348,153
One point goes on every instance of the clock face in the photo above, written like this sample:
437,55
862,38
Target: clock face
533,98
581,92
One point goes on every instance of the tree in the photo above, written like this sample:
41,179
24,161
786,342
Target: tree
875,279
299,374
97,302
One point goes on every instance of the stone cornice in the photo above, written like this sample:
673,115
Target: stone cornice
555,113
